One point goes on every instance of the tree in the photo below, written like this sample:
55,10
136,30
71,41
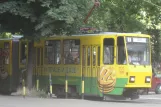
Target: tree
118,16
156,36
127,15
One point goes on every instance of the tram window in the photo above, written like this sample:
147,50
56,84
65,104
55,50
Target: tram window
71,51
121,56
88,56
38,57
42,56
6,48
52,52
94,55
98,60
108,51
84,56
23,53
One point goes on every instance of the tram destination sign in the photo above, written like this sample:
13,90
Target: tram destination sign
136,39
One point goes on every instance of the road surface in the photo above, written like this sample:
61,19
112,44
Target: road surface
19,101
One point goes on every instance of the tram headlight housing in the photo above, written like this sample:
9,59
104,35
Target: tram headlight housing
147,79
132,79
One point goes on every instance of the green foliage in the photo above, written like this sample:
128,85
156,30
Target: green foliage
18,8
151,12
5,35
49,17
155,44
64,18
35,18
126,15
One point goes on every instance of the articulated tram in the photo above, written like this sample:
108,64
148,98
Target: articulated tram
110,64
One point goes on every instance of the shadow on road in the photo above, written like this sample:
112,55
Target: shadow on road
144,100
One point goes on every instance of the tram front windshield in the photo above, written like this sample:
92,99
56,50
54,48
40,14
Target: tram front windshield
138,50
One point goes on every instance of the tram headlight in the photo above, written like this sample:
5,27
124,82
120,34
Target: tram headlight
132,79
147,79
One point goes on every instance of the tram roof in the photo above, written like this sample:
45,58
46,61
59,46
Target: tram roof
14,37
105,33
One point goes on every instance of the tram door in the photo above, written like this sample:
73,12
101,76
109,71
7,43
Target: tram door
90,66
5,60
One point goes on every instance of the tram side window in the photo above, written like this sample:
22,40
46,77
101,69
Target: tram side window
42,56
98,60
94,55
108,49
88,56
23,53
84,56
71,51
121,56
52,52
38,56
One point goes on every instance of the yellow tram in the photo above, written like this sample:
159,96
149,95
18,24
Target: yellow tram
110,64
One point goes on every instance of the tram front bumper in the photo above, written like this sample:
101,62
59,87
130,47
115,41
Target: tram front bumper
139,80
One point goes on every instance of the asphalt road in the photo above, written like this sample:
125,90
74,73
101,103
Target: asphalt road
19,101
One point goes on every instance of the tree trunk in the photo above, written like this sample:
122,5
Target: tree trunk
30,64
